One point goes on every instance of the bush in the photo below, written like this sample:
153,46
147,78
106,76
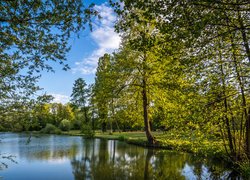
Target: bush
87,131
17,127
2,129
50,129
122,138
65,125
76,124
245,168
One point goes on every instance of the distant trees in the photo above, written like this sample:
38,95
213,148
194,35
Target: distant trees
80,96
38,116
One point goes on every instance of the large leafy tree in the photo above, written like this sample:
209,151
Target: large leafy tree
215,37
32,34
151,55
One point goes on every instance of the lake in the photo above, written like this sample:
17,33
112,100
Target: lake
60,157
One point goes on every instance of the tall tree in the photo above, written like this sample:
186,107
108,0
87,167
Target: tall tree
143,41
101,91
80,97
211,40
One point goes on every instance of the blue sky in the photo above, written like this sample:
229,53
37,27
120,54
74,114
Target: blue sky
83,56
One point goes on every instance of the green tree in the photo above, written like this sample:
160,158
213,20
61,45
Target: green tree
100,92
80,97
214,46
107,83
142,44
33,34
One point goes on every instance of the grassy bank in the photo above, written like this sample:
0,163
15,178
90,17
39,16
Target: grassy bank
203,147
211,147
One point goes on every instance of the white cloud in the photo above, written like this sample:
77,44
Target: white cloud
60,98
105,38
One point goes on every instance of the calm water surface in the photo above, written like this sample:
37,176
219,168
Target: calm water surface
68,157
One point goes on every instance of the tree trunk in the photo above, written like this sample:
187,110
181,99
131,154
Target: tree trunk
85,114
244,36
241,85
104,127
110,125
238,70
113,115
150,138
247,49
229,134
248,134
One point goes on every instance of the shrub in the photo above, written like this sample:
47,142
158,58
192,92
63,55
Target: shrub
245,168
2,128
50,129
17,127
122,138
87,131
65,125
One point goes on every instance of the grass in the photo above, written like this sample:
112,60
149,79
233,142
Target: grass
206,147
114,135
125,135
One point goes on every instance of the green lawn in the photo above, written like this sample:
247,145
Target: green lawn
184,142
117,135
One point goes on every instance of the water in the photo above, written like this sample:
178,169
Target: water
70,157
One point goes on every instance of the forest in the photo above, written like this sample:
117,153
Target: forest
182,70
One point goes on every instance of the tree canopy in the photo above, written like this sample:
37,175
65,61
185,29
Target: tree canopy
33,34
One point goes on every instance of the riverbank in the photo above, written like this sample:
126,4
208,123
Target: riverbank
204,147
60,155
208,148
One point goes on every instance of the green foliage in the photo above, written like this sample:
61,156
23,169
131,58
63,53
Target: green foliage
203,61
245,168
79,93
87,131
32,34
79,99
122,138
65,125
2,129
17,127
50,129
182,67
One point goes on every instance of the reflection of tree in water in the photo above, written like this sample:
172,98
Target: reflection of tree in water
81,166
53,154
48,148
116,160
102,159
4,163
210,168
109,161
168,165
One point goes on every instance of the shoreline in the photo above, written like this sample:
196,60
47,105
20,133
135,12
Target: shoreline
203,148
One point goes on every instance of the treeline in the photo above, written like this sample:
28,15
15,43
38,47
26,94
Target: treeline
36,118
183,65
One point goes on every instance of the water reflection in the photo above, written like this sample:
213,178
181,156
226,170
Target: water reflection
46,147
102,159
116,160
